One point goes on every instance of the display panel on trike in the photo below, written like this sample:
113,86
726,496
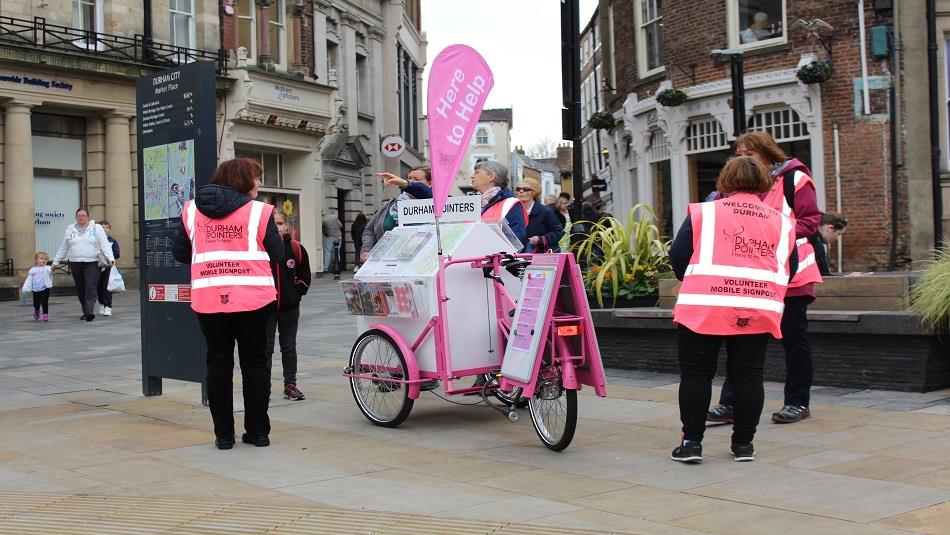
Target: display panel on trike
517,324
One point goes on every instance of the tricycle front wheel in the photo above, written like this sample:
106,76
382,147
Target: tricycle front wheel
383,402
553,412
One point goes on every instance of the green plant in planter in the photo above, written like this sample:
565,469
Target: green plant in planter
602,120
815,72
623,262
672,97
930,296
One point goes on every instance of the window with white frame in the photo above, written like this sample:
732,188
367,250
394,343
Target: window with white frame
704,135
270,162
182,22
649,37
754,23
783,124
363,87
482,136
87,15
247,34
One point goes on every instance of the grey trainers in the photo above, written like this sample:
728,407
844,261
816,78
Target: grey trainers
719,415
791,414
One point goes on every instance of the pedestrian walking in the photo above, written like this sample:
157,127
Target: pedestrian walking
102,289
230,239
332,241
292,274
86,248
416,185
356,233
735,257
38,282
793,193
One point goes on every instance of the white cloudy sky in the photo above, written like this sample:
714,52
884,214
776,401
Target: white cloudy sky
521,41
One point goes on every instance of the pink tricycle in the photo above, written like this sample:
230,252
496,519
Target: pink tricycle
536,351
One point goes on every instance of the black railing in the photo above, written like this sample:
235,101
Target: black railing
42,35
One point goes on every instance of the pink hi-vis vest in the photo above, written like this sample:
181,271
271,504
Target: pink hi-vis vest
808,271
737,277
500,209
230,270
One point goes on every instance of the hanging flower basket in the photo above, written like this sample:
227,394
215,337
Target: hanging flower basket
672,97
815,72
602,120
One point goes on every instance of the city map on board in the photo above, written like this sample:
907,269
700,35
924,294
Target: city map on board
169,172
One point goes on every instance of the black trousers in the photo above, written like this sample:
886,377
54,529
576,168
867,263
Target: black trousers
249,331
102,288
41,300
285,323
798,359
697,357
86,277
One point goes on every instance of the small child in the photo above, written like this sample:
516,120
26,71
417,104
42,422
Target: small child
38,281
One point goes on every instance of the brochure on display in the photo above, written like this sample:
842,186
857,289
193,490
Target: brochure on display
391,299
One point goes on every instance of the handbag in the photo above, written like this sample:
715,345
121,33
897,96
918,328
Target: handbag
116,284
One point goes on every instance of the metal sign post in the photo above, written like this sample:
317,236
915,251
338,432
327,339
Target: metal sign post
175,112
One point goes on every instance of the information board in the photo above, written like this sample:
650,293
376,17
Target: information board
175,124
530,317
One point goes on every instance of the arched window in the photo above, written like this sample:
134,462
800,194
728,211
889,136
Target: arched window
481,136
705,135
783,124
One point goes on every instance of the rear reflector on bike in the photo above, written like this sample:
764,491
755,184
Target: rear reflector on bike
568,330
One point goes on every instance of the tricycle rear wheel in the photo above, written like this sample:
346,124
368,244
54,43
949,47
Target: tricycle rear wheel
384,403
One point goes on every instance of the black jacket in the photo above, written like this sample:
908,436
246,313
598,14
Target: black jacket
292,277
682,250
821,256
216,202
543,223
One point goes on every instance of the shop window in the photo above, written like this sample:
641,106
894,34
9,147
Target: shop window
649,37
182,23
754,23
270,162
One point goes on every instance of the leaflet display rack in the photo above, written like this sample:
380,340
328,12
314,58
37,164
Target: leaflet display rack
397,287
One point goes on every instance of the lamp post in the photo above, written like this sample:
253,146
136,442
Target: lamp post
571,94
738,87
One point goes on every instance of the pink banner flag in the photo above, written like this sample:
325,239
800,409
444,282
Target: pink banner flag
459,83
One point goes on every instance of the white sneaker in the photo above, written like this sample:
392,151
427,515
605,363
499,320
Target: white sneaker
106,311
99,308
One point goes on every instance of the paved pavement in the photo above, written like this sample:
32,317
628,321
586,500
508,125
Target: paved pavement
81,451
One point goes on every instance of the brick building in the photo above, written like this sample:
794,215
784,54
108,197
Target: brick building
668,156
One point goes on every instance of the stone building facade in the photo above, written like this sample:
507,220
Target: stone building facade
318,85
67,88
669,156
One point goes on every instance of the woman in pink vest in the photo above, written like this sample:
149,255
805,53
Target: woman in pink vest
792,192
735,258
491,180
230,240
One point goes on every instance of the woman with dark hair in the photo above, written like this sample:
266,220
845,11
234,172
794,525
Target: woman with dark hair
543,230
230,240
416,185
728,298
356,232
85,246
490,178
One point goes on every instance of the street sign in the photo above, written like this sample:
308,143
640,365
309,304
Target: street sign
177,153
392,146
598,184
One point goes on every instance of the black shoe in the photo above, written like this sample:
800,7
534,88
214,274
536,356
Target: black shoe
224,443
743,452
688,452
429,385
719,415
90,317
83,317
791,414
261,441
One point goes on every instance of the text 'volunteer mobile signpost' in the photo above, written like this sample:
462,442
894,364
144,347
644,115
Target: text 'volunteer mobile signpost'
176,155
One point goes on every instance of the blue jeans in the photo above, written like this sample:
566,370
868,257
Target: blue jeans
328,244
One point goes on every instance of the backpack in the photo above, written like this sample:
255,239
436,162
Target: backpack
295,245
